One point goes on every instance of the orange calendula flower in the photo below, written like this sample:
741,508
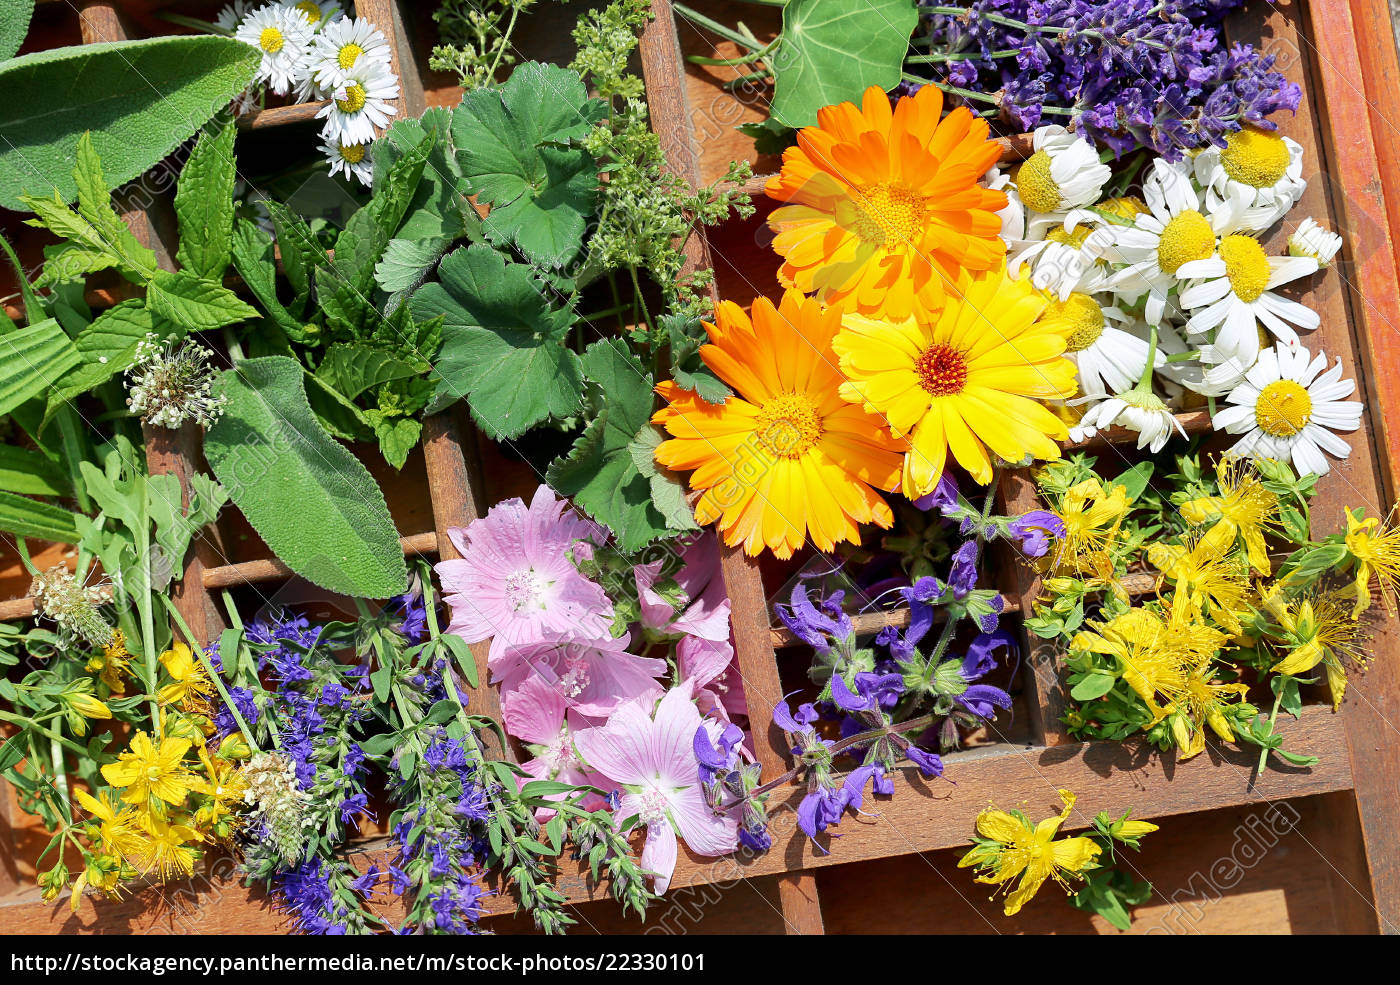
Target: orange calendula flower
885,205
786,456
970,379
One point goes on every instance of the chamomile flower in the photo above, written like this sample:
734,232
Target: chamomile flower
1311,240
1263,167
352,159
1233,292
1210,374
1174,232
1099,339
231,16
317,15
1063,173
1139,410
1289,407
282,35
345,45
360,103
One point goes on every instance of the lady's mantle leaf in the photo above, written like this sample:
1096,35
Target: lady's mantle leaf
599,472
313,502
513,147
502,344
833,50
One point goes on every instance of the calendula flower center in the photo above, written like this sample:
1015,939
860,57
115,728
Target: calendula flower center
348,55
1187,237
271,40
1283,408
888,215
788,425
1246,265
354,99
312,12
523,588
352,153
942,370
1083,314
1255,157
1038,188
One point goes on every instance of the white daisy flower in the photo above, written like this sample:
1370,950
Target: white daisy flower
247,101
343,46
352,159
282,36
1233,292
228,18
1137,410
1264,165
1311,240
1288,408
1063,173
1100,341
1210,373
317,15
360,103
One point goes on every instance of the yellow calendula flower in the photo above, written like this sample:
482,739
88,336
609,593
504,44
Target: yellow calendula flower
190,685
1213,583
1245,509
148,770
116,826
1013,847
1092,517
113,664
1320,631
1376,547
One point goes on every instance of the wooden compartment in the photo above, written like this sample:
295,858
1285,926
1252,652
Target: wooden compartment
1334,863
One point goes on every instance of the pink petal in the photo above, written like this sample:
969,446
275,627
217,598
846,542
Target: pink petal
701,660
659,855
532,710
621,750
704,831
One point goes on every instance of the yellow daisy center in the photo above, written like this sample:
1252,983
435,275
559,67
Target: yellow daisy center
1187,237
942,370
310,9
788,425
354,100
1038,189
889,214
1283,408
1128,207
353,153
1255,157
271,40
1246,265
1083,314
348,55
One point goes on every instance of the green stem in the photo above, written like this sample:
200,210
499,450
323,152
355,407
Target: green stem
194,24
214,675
741,60
960,56
505,42
1182,357
1146,382
32,725
1264,752
60,775
74,453
714,26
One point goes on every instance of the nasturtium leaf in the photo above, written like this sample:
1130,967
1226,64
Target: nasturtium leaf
140,99
26,517
204,204
599,471
33,359
503,346
833,50
14,25
198,304
516,146
313,502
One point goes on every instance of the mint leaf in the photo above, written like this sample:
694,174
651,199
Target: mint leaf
199,305
353,368
513,146
204,204
253,259
503,346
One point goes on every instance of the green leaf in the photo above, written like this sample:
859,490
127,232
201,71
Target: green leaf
513,147
1093,686
108,348
204,204
32,360
352,368
833,50
397,436
253,259
667,489
503,346
24,470
313,502
301,252
31,518
139,98
1134,479
199,305
14,25
407,263
599,472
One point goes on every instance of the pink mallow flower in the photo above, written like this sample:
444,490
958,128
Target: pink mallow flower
534,712
516,582
651,758
592,676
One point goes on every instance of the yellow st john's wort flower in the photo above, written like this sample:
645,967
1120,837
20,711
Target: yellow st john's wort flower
170,842
148,770
189,685
1320,631
969,380
785,457
1244,509
117,829
223,783
112,664
1092,517
1201,701
1212,583
80,704
1014,847
1376,548
884,206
